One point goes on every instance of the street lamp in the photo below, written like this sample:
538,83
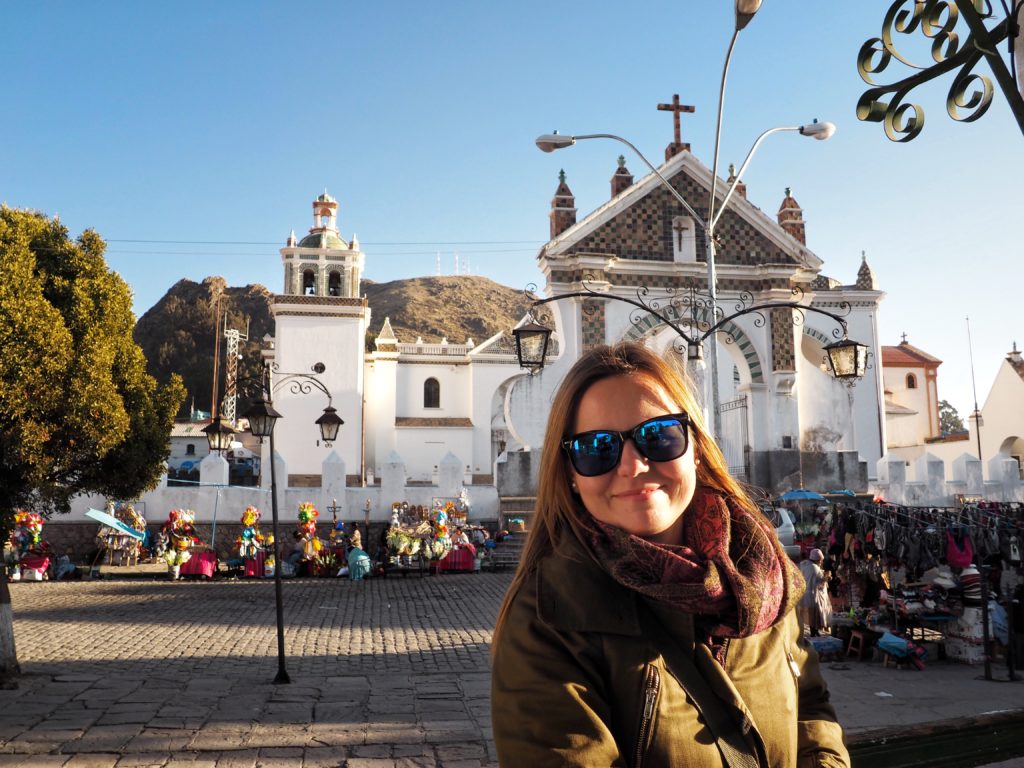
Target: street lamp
219,434
531,344
262,418
849,359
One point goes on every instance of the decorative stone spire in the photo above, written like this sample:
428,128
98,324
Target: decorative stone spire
791,217
865,277
386,340
291,239
622,179
354,245
563,207
741,188
1015,361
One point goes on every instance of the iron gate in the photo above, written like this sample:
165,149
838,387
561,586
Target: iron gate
733,440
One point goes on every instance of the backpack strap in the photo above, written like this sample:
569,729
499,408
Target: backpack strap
732,741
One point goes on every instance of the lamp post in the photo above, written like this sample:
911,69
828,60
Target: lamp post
262,417
744,13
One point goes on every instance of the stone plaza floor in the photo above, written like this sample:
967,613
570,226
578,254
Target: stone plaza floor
386,673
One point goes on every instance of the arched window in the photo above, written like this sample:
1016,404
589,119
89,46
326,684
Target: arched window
308,283
334,284
911,381
431,394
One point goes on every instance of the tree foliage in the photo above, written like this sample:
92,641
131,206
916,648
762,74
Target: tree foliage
78,412
949,419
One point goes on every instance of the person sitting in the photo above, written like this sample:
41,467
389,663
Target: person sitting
460,539
298,550
359,565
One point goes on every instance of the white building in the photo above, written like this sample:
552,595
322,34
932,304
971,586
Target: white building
925,468
785,421
910,378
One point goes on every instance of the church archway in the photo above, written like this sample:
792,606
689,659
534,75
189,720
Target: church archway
1014,448
651,324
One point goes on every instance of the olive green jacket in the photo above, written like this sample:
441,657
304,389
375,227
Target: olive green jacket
576,681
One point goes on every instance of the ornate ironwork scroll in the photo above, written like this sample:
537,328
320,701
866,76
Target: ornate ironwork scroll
691,314
970,94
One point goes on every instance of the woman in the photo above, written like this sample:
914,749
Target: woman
651,619
815,605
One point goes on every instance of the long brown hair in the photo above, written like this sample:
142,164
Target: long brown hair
557,511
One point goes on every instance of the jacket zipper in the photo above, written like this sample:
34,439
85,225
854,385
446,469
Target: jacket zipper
651,686
793,666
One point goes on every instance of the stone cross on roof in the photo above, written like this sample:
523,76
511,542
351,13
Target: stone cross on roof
676,109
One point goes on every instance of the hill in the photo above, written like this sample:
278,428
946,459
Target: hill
453,307
177,333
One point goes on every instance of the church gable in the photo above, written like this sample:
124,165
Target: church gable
644,231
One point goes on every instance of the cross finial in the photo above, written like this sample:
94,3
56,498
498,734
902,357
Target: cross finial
904,337
561,175
676,109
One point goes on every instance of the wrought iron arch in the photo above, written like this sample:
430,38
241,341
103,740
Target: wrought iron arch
651,323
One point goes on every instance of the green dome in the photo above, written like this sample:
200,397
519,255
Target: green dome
322,240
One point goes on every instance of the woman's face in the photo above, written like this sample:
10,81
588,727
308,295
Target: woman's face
643,497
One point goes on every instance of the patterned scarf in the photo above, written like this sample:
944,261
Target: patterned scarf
731,570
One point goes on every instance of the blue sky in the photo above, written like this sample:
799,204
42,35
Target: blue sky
193,137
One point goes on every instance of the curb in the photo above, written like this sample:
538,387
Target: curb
961,742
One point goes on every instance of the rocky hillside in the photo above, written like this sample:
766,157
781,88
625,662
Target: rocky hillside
454,307
177,333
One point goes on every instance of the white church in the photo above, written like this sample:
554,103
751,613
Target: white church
424,421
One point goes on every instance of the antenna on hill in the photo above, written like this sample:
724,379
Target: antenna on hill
456,262
232,337
438,263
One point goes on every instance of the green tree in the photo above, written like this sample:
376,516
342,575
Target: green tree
949,419
78,412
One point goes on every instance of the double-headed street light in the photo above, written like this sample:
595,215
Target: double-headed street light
745,11
262,417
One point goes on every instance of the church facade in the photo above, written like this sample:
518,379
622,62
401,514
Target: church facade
785,422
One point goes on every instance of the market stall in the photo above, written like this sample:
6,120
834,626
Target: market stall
905,579
121,534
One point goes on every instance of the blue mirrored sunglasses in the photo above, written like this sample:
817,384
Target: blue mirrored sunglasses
663,438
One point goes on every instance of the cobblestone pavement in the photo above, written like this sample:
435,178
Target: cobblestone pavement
385,673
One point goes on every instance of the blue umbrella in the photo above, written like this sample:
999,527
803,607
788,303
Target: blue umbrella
112,522
800,494
844,492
